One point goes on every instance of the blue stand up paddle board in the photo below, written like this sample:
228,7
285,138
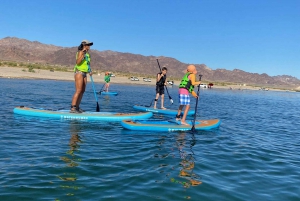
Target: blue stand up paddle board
169,126
108,93
160,111
94,116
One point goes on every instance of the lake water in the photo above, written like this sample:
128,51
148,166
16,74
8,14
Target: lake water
254,155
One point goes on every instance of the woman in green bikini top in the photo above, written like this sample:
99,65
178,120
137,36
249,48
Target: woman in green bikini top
81,68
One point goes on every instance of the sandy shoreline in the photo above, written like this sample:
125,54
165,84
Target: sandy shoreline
15,72
22,73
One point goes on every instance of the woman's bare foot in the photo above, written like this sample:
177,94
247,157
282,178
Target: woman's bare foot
163,108
184,123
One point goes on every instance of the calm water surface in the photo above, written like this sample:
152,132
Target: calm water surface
254,155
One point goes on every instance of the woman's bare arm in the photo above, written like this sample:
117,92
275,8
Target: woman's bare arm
80,56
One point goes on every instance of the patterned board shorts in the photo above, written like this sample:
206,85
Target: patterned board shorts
184,99
82,73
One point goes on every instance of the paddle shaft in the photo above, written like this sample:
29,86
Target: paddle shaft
90,70
198,92
165,86
150,103
102,87
97,108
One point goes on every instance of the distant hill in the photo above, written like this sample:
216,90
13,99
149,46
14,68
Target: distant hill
15,49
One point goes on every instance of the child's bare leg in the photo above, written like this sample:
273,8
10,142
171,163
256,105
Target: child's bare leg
155,101
107,86
162,101
185,114
179,112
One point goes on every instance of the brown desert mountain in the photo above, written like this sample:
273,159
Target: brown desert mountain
21,50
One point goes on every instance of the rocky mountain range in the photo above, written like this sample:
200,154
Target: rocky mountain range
22,50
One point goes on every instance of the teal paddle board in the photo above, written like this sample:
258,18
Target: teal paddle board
169,126
94,116
160,111
108,93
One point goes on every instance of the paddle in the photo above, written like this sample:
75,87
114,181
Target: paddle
150,103
193,127
171,100
101,88
90,70
97,108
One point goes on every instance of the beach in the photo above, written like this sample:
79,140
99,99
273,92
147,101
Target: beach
22,73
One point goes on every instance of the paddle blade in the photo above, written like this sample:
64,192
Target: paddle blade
193,129
150,104
98,108
171,100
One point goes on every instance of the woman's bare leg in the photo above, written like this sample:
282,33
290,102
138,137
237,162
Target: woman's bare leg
82,92
80,83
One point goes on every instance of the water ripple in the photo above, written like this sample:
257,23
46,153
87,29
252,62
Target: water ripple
252,156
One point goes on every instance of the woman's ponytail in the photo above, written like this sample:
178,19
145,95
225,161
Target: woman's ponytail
80,47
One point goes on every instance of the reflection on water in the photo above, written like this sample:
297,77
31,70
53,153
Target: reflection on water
71,160
106,100
181,172
187,163
41,157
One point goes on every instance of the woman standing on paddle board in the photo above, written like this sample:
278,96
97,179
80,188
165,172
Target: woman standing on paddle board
81,70
186,86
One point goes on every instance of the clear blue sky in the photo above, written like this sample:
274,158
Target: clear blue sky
258,36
